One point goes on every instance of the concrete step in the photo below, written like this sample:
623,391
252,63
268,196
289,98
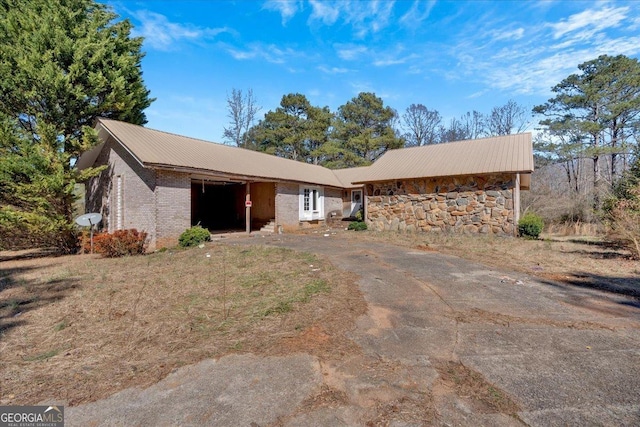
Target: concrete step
269,228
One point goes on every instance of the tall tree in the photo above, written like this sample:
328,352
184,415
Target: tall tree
420,125
241,111
296,130
63,63
363,131
599,108
507,119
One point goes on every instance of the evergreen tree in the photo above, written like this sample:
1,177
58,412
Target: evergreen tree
363,131
296,130
596,111
63,63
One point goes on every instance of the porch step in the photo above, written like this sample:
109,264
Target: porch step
270,227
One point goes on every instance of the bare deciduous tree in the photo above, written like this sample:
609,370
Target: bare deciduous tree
420,125
507,119
242,111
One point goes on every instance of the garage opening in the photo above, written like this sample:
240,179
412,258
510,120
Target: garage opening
218,206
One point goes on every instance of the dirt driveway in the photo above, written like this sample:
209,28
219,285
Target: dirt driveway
444,342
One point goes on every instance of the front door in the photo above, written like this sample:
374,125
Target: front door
356,201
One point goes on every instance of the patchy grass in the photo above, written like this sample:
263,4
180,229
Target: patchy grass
79,328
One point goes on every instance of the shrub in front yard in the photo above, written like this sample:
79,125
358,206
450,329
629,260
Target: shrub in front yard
530,226
357,226
120,243
194,236
623,219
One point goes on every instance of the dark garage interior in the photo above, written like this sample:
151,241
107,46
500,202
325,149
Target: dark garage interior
218,206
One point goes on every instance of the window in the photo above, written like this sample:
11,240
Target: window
311,203
119,207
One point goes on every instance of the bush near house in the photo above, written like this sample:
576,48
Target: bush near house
530,226
357,226
624,225
194,236
120,243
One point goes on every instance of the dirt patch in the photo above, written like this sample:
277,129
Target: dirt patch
408,410
79,328
471,386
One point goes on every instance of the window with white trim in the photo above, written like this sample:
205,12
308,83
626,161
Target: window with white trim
311,203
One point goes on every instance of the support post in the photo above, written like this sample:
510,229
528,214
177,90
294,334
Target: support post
247,209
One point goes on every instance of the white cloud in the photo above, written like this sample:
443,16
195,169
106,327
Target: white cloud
393,60
516,34
507,60
364,16
419,11
323,11
333,70
350,52
270,53
590,21
159,33
286,8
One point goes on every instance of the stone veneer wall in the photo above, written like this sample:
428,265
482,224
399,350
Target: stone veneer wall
478,204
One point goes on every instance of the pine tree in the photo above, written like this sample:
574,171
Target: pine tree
63,63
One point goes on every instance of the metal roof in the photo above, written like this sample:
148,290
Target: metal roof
509,153
349,175
157,149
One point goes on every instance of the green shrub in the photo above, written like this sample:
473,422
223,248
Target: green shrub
357,226
530,226
120,243
194,236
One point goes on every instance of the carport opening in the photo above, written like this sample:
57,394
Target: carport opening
218,206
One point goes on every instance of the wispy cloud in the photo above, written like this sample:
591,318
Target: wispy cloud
350,52
162,34
365,17
286,8
322,11
590,21
333,70
419,11
270,53
394,60
516,34
511,62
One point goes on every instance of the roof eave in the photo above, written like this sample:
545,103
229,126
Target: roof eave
238,177
527,171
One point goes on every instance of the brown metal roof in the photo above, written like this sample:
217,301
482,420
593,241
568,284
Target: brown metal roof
157,149
510,153
349,175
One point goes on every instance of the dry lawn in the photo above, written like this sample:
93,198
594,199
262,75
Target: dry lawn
79,328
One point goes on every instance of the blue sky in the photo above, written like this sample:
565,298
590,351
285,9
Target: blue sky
452,56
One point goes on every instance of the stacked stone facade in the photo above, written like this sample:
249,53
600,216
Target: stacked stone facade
479,204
